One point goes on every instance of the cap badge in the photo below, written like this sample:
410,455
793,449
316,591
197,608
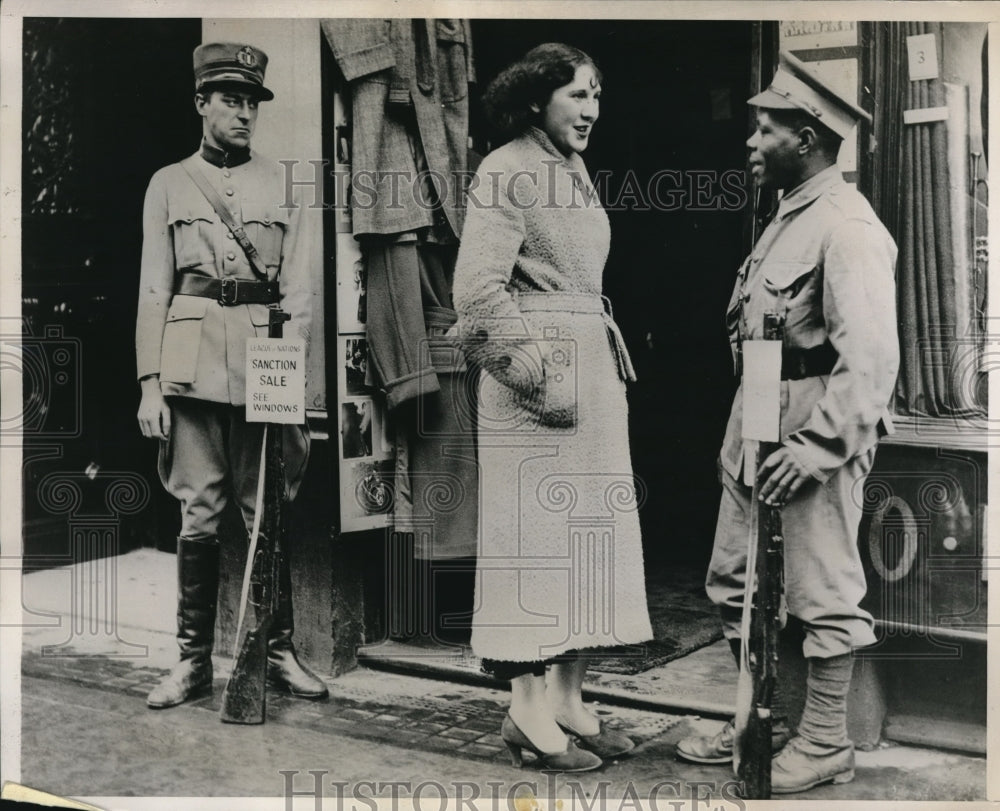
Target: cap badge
246,57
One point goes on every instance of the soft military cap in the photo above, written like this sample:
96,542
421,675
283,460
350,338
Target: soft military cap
231,63
794,86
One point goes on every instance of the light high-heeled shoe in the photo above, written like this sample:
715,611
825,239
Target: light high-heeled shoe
571,759
607,743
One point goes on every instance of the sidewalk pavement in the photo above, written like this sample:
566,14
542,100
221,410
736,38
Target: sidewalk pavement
87,732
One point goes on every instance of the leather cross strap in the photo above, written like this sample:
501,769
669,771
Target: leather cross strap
256,264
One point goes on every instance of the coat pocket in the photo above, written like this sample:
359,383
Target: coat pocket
182,339
561,392
552,400
265,226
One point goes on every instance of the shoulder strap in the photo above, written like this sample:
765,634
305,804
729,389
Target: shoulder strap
226,216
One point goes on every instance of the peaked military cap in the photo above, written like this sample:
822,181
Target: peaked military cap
231,63
794,86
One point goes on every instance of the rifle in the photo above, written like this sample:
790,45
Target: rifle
753,747
244,699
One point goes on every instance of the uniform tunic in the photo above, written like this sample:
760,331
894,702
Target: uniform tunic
196,346
559,552
827,264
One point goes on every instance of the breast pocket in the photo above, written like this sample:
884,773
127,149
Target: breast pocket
796,288
182,339
192,229
266,226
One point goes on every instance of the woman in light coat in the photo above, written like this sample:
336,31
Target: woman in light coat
560,565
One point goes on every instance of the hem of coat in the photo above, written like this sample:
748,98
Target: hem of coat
410,387
367,61
372,226
170,389
576,645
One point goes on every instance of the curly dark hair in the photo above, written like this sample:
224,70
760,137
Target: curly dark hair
531,80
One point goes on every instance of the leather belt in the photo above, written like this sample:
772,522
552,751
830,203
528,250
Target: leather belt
797,364
228,292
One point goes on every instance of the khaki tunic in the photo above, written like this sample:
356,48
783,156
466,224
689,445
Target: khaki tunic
197,347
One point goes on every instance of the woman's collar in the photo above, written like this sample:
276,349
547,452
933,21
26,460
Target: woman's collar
540,137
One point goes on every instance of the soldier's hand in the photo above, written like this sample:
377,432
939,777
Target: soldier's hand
781,475
154,413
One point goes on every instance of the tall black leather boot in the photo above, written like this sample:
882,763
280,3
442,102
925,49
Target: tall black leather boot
284,671
197,593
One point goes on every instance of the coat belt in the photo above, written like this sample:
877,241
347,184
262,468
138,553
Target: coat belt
591,303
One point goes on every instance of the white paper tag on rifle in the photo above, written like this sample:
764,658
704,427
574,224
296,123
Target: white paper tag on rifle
762,390
750,461
276,380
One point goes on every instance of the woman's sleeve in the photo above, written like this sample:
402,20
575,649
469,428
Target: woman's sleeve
495,335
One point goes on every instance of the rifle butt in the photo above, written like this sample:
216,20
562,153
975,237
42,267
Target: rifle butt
755,763
244,699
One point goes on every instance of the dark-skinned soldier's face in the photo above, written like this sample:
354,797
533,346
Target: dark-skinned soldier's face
775,154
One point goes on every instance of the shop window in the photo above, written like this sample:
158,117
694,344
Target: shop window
926,178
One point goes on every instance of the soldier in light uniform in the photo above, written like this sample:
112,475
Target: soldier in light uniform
826,264
200,298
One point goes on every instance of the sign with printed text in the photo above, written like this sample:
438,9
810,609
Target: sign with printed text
801,35
276,380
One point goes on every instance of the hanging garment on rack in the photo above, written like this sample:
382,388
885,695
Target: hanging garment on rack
408,77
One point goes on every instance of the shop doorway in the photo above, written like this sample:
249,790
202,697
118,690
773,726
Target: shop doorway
673,99
106,103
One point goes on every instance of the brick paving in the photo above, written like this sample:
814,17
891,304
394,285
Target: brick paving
450,723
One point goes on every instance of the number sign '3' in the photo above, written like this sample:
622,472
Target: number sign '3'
922,52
